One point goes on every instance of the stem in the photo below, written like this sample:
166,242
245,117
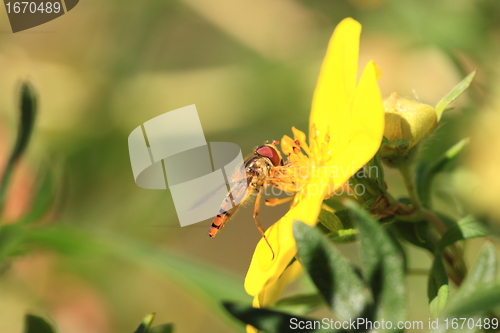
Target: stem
436,221
418,271
4,184
405,171
456,267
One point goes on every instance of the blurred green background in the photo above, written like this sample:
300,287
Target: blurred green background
251,68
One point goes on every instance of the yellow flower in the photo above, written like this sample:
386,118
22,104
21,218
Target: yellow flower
270,295
345,131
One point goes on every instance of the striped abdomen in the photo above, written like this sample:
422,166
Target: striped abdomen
218,222
239,194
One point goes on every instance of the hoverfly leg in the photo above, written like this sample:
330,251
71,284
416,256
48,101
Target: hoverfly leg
275,201
257,221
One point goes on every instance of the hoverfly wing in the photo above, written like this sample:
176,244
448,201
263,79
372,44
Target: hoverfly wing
206,198
233,200
238,194
238,183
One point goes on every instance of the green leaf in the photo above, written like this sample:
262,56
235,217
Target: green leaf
43,199
365,185
383,267
416,233
300,304
145,324
453,94
345,218
209,284
427,172
480,302
399,247
165,328
12,241
344,236
27,120
438,280
376,171
448,222
466,228
36,324
330,220
482,275
268,321
438,288
332,274
398,144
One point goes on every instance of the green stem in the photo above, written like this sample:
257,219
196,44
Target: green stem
455,259
4,184
405,171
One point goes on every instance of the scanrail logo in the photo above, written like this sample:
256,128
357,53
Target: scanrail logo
28,14
171,150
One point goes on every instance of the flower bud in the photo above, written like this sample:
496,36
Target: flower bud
410,120
406,124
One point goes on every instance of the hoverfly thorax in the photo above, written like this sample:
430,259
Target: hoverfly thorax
258,167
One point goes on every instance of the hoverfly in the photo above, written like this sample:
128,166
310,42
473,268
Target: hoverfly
258,167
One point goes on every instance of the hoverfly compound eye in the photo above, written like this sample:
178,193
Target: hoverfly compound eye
270,152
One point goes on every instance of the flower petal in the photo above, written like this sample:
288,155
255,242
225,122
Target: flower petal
271,292
336,83
365,128
263,268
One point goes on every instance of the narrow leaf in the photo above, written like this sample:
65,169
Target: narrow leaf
27,120
438,280
466,228
438,288
43,199
332,274
145,324
213,282
269,321
12,241
300,304
482,275
375,171
383,267
345,218
483,301
416,233
330,220
209,283
344,236
165,328
26,123
453,94
426,172
36,324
